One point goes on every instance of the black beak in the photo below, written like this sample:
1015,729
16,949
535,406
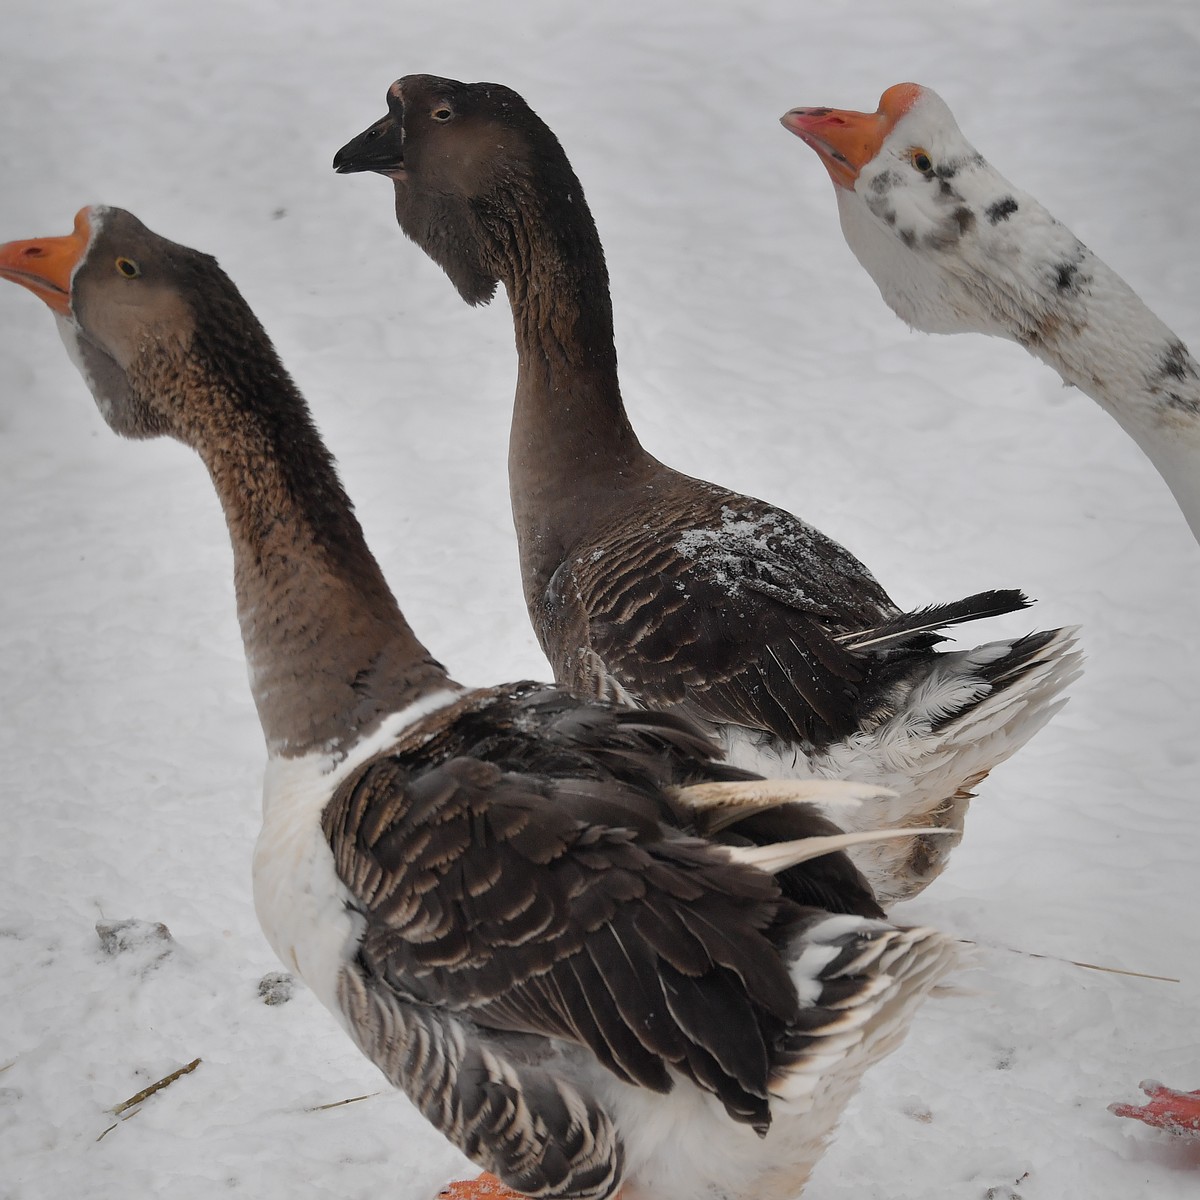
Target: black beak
380,148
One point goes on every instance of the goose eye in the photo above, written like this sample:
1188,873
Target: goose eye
442,114
920,159
128,268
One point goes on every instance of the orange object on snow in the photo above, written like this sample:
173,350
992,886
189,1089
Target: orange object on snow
1176,1112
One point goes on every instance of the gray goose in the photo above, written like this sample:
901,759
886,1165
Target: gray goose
955,248
648,585
566,929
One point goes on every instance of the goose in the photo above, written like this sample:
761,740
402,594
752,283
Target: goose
955,248
651,586
593,955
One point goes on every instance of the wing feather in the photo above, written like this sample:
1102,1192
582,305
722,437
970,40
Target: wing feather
530,868
736,612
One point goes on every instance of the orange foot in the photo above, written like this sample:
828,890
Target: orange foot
1176,1112
483,1187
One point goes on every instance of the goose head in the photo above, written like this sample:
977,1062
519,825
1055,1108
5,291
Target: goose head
470,163
941,232
127,303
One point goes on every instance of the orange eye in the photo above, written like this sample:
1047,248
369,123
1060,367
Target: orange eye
128,268
920,159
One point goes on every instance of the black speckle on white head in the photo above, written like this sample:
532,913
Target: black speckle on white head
941,232
1001,210
883,182
920,183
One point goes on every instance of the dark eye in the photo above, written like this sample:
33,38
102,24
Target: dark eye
442,114
128,268
920,159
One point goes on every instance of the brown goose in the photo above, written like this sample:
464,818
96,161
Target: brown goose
556,924
646,584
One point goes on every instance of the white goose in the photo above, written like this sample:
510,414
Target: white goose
955,248
561,927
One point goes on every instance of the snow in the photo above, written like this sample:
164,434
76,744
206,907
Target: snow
754,351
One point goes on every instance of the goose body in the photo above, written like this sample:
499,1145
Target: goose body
955,248
593,955
649,585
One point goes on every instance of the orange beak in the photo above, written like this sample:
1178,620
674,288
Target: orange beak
846,140
45,265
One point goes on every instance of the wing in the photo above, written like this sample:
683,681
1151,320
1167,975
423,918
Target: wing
527,902
727,606
485,896
737,612
631,757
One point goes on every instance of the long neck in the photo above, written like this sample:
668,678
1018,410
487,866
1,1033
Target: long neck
571,438
1018,273
328,651
1111,346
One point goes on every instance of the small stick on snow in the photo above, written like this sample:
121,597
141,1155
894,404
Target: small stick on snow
339,1103
113,1126
1073,962
154,1087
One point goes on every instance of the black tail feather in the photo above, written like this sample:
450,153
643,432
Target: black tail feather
932,617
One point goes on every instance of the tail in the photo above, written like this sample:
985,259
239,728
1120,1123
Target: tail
939,734
907,627
860,983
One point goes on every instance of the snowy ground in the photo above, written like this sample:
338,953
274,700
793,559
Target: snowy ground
754,351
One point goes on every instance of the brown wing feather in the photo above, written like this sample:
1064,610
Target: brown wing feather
550,945
727,606
494,893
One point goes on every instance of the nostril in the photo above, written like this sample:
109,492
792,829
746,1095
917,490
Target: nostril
33,252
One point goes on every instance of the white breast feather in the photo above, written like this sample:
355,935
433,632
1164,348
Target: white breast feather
303,907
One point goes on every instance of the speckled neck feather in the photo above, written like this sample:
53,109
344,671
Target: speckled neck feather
1099,335
1017,272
